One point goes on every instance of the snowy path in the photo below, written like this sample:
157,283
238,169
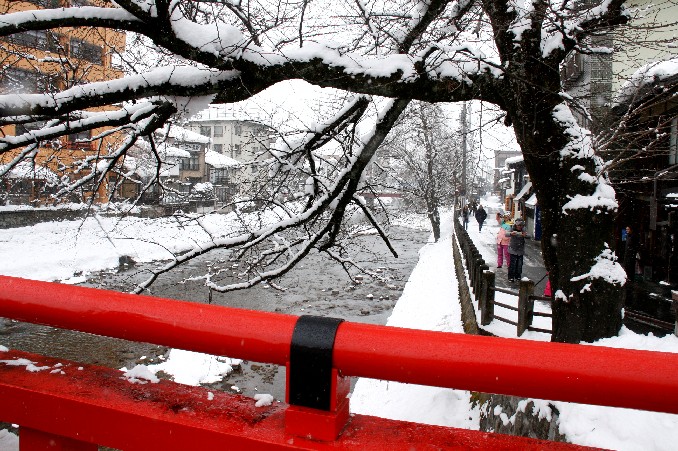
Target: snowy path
430,301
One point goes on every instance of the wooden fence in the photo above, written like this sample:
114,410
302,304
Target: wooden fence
482,283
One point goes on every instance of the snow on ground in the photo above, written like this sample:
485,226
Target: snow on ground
607,427
429,301
55,251
8,441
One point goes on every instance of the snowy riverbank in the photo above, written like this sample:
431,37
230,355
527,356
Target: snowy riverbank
429,301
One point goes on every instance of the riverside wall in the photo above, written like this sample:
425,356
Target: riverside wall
504,414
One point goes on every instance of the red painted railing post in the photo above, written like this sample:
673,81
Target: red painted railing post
34,440
316,393
319,424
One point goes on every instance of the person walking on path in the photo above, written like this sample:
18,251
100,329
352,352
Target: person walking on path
630,251
503,239
464,216
516,251
481,215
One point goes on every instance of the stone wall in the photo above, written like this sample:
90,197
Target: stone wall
504,414
23,218
468,315
519,416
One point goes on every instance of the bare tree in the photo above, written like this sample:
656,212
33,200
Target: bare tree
424,160
504,53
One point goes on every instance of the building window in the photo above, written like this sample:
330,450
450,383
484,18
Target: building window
192,163
80,140
85,51
206,131
218,131
238,130
45,3
20,129
19,81
219,176
218,147
36,39
236,149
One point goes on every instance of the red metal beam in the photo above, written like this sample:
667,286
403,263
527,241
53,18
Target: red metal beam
247,334
553,371
96,405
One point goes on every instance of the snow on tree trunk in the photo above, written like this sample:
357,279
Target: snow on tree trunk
578,208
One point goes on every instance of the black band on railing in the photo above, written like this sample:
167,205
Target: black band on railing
311,349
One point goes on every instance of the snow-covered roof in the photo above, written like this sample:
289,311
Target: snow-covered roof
223,113
172,151
513,160
183,134
532,201
27,170
219,161
505,179
524,191
648,75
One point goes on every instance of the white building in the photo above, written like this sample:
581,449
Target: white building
593,79
222,174
245,140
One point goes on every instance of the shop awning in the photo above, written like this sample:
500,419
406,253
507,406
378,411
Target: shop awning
523,191
532,201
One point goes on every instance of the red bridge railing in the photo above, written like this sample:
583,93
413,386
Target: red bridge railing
85,405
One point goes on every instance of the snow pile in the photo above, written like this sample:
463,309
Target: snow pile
194,368
429,301
263,400
140,374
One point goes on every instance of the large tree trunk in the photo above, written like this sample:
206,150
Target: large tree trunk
577,242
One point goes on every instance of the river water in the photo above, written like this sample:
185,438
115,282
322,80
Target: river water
316,286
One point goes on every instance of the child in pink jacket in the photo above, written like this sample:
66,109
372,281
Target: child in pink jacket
503,240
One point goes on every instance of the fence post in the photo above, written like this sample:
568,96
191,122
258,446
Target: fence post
473,256
525,305
487,299
477,263
482,267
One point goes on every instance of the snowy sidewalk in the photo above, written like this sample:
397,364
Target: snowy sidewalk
430,301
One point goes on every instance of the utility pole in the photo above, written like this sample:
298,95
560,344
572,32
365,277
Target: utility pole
462,119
